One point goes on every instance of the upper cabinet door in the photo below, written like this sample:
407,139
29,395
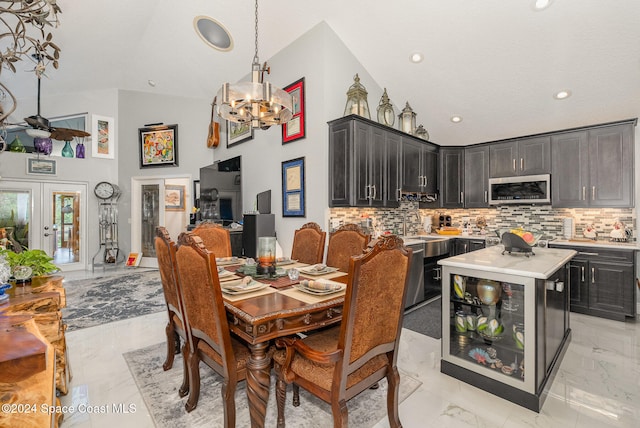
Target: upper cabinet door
411,178
340,164
452,177
529,156
534,156
476,177
570,169
611,166
503,159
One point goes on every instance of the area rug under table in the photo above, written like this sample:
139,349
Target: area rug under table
101,300
160,392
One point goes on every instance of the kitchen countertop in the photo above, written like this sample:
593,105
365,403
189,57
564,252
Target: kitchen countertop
628,246
542,265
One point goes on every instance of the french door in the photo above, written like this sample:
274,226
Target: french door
49,216
149,209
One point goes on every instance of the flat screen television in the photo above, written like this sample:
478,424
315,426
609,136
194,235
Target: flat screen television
263,202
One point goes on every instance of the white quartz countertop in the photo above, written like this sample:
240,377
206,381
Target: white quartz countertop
542,265
629,246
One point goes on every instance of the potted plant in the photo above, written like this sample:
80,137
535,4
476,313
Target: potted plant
35,261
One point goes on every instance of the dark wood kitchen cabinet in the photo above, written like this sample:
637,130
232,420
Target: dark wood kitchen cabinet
356,164
368,163
465,245
526,156
419,166
593,167
476,177
451,177
602,282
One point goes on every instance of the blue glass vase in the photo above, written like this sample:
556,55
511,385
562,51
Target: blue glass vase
67,151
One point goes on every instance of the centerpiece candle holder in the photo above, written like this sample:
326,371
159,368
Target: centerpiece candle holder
266,256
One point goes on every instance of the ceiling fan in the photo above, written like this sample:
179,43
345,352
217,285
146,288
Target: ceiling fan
41,127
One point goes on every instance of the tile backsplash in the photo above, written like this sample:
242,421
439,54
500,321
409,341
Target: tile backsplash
544,218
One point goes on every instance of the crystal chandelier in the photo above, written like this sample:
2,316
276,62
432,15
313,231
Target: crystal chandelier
256,102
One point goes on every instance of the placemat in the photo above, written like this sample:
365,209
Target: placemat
236,297
230,278
326,276
310,298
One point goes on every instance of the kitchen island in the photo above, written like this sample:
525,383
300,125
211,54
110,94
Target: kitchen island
505,320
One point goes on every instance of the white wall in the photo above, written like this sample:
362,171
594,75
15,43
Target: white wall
138,109
328,68
89,170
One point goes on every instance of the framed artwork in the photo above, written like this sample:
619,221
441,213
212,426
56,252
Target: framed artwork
293,197
103,137
238,133
133,259
41,166
295,129
158,146
174,198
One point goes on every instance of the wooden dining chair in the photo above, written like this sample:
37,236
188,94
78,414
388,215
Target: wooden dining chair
345,242
216,238
176,326
210,339
339,363
308,244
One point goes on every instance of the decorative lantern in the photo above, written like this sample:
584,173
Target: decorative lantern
357,100
407,120
422,133
266,255
386,115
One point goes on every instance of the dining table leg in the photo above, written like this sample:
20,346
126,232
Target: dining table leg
258,382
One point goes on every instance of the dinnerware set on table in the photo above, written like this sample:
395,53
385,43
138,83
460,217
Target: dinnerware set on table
239,279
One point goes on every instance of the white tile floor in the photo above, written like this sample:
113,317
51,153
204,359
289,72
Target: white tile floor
598,384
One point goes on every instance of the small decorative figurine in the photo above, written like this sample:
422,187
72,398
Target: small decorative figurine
590,232
619,231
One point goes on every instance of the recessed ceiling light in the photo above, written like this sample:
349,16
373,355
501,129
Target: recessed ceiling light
541,4
151,83
561,95
416,57
456,119
213,33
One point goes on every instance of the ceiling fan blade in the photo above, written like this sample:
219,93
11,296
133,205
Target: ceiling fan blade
67,134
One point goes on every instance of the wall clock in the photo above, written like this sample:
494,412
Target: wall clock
106,190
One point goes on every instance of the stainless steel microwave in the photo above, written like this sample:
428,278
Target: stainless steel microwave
525,189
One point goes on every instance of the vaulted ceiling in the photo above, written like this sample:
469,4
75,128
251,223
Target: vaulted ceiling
495,63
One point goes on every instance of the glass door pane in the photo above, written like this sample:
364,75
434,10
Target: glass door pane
64,225
150,218
19,224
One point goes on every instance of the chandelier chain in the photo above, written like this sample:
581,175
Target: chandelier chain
255,56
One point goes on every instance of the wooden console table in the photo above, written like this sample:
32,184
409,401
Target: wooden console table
43,300
27,375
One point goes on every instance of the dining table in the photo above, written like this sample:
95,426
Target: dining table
278,310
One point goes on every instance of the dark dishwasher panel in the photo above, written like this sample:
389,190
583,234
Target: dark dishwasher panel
415,287
433,277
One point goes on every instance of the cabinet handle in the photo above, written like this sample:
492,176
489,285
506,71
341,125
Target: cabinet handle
593,275
462,197
521,164
426,181
375,192
419,181
399,194
582,270
514,165
367,193
486,196
593,193
584,193
587,253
